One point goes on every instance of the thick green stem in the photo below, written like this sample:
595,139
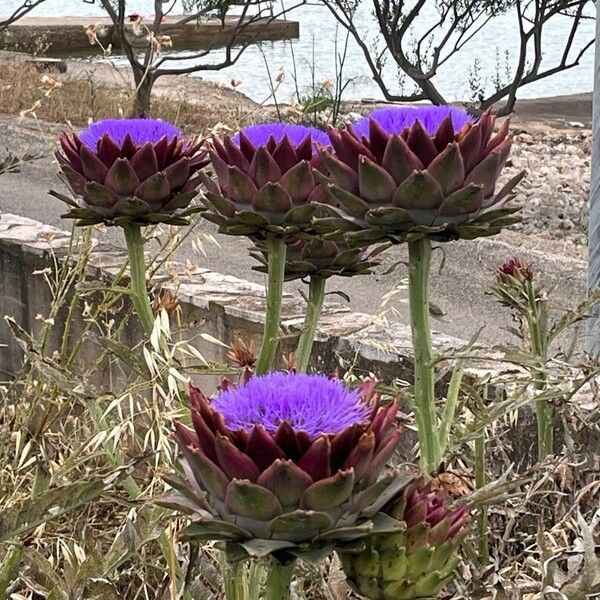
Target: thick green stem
544,410
419,258
316,295
137,267
482,519
279,579
9,568
234,579
276,249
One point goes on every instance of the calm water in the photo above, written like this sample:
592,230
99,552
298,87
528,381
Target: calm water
316,48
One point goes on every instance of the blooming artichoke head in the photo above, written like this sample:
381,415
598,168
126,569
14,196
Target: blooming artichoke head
124,171
417,562
405,173
286,462
264,182
315,256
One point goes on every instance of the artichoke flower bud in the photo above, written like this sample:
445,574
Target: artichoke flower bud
264,184
515,270
314,256
405,173
286,463
515,286
130,172
416,562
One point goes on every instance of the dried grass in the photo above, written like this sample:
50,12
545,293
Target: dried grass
77,100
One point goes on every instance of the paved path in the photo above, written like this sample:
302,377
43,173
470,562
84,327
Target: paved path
459,289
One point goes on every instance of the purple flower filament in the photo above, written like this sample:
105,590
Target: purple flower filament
260,135
140,131
395,119
314,404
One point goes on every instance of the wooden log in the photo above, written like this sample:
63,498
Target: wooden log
68,34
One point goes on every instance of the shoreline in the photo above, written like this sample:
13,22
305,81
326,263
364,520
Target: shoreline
568,111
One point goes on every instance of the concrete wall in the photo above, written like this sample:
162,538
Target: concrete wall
223,306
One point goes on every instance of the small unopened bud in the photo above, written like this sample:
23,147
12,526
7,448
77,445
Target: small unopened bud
515,269
242,354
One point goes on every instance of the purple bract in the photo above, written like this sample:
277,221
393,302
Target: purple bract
139,130
311,403
124,171
264,183
260,135
395,119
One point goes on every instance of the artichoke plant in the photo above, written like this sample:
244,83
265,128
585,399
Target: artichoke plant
286,464
264,182
129,171
416,562
417,175
408,173
265,189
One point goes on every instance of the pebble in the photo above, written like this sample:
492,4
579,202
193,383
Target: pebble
556,188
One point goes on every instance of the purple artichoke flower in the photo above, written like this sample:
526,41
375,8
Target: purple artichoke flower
416,562
264,182
285,462
405,173
130,171
394,120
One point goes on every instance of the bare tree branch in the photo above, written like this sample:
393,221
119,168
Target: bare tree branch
20,12
149,68
456,24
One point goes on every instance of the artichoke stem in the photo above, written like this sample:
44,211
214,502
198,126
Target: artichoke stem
482,519
279,578
544,410
276,250
419,258
235,579
316,294
137,267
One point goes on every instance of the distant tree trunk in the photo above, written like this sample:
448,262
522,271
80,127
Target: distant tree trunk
144,81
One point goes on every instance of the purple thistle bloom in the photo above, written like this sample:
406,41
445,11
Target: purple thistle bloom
141,131
314,404
131,171
395,119
260,135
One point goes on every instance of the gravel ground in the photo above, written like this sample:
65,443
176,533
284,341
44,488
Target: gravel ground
555,191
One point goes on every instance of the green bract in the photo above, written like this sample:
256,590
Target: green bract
322,258
417,562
